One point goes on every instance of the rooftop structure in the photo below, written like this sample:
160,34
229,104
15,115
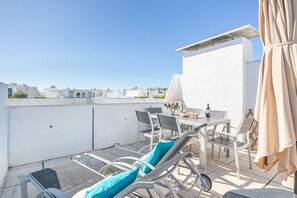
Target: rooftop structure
32,92
247,32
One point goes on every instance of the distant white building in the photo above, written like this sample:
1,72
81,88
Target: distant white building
134,92
76,93
108,93
51,92
96,93
156,92
32,92
54,92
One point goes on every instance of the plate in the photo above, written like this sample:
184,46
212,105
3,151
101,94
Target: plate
184,114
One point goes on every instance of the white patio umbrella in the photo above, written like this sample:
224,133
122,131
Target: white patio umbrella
276,105
175,90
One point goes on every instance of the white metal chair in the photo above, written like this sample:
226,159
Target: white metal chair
216,114
152,132
169,124
154,110
230,141
194,110
186,127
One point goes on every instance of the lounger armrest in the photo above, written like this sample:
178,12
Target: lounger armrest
146,146
141,161
53,191
118,162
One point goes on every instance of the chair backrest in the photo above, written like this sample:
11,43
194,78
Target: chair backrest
218,114
168,122
154,110
245,125
143,117
194,110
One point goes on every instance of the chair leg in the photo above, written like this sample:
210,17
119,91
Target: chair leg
138,138
219,152
152,141
212,145
160,136
237,163
250,157
212,150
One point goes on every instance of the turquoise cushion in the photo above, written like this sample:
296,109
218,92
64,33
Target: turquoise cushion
157,153
111,186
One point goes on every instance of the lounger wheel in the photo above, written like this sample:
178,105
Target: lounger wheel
204,183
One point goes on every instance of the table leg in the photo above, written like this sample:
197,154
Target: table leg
228,131
203,147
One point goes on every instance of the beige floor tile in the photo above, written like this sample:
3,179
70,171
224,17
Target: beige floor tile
289,184
15,191
221,171
228,175
13,173
54,162
277,185
225,179
244,167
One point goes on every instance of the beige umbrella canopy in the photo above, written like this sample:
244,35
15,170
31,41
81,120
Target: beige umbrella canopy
175,90
276,106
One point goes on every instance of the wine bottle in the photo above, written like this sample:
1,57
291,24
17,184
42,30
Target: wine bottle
207,111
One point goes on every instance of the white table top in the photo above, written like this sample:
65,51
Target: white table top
199,121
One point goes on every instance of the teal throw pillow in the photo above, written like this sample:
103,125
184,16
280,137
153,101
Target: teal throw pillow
111,186
156,154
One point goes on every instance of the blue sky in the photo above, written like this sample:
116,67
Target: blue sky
109,43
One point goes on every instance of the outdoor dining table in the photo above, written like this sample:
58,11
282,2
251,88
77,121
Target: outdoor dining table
202,134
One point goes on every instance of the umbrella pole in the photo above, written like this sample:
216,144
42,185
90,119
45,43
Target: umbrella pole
295,184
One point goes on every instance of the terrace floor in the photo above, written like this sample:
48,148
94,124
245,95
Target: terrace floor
221,171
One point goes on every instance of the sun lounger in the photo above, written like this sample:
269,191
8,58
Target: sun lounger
118,153
122,158
69,178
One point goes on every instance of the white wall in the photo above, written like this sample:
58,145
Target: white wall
215,75
117,123
252,75
32,139
3,132
39,133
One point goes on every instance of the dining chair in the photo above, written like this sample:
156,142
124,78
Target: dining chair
231,141
194,110
153,129
153,110
216,114
169,124
186,127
